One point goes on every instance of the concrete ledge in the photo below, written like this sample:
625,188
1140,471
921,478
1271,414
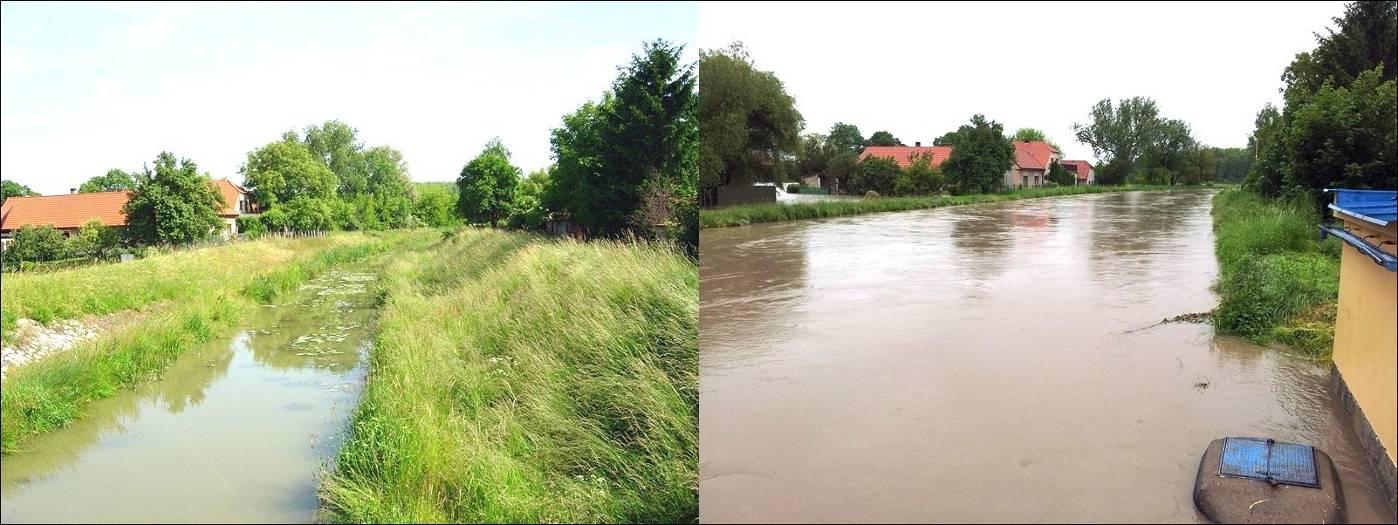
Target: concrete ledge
1373,448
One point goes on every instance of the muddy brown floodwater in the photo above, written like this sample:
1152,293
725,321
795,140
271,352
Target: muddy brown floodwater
234,431
983,363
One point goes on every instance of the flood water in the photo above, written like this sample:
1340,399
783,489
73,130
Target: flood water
986,363
234,431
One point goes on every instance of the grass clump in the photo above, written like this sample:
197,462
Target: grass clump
1277,282
772,212
520,379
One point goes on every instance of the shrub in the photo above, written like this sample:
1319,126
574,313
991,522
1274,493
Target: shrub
35,244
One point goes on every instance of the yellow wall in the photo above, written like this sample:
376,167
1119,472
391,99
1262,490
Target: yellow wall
1366,337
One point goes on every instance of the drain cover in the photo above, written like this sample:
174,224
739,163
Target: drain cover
1268,460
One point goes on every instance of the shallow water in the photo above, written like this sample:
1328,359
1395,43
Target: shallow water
234,431
986,363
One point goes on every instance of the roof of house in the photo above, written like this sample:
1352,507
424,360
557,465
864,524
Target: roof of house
903,155
1076,166
64,211
1029,155
230,192
1033,154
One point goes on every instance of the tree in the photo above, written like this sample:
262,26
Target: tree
337,145
486,187
883,138
114,180
93,240
947,139
1120,133
877,174
919,178
282,171
846,138
1232,164
309,214
389,185
747,120
982,155
1057,174
35,244
1034,134
9,188
577,148
436,205
528,211
1367,38
173,204
842,168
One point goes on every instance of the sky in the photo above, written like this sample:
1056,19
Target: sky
921,70
89,87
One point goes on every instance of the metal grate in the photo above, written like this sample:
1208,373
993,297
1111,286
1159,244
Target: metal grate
1270,461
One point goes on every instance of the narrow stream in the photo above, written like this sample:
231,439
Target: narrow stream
986,363
234,431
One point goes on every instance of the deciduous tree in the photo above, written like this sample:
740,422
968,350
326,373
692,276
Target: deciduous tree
980,158
173,204
113,180
486,187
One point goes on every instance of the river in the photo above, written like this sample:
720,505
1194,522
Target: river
235,430
986,363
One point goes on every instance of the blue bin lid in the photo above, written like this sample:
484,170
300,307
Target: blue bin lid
1269,460
1377,207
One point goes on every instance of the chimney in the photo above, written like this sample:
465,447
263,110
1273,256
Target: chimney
917,144
72,191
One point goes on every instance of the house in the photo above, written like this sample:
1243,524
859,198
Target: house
1365,353
68,213
1082,170
1031,160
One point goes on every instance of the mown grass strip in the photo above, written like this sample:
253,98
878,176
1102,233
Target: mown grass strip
759,213
54,391
521,379
1276,282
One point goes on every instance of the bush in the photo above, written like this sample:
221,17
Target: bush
251,225
877,174
35,244
919,178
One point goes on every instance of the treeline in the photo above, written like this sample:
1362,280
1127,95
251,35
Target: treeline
1337,125
624,164
753,133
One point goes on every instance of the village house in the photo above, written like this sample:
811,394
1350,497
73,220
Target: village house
68,213
1030,169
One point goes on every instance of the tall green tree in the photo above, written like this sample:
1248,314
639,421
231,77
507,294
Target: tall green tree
883,138
486,187
337,145
1120,133
9,188
877,174
577,148
1034,134
746,118
113,180
436,205
846,138
173,204
284,170
982,155
389,186
947,139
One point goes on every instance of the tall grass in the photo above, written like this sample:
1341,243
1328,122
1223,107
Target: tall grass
209,290
772,212
177,277
1277,282
519,379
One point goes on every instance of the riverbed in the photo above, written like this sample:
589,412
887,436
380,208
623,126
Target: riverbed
997,362
236,430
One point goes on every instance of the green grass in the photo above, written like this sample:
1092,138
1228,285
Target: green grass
210,289
175,277
772,212
1277,282
521,379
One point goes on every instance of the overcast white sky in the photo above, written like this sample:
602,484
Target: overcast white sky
920,70
88,87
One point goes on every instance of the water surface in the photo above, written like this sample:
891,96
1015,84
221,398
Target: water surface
234,431
986,363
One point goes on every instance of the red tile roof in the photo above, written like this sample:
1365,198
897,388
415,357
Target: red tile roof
1029,155
64,211
903,155
230,192
74,210
1033,154
1079,167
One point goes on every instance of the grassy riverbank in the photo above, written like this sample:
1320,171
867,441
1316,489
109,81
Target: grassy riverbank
756,213
523,379
202,294
1277,282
